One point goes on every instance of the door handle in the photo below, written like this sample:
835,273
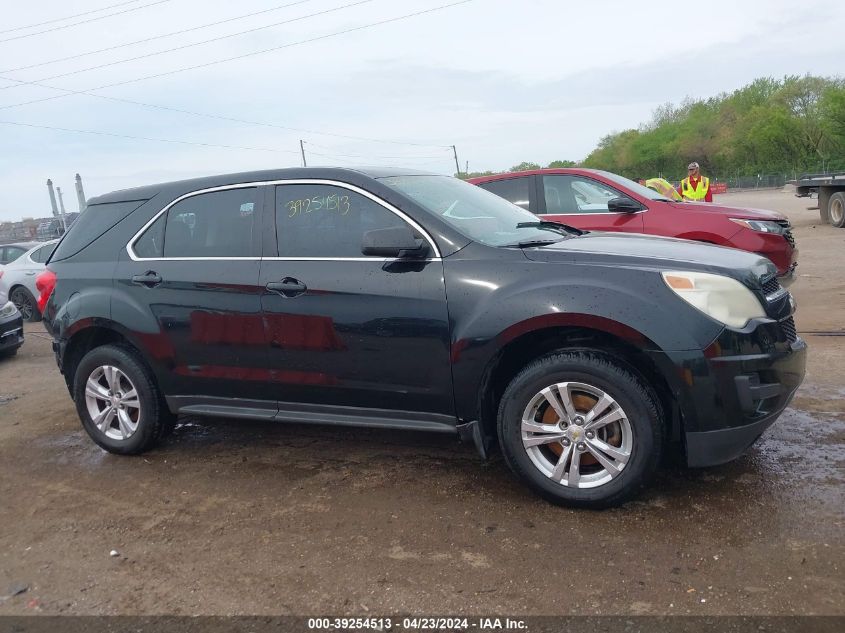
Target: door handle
287,287
149,279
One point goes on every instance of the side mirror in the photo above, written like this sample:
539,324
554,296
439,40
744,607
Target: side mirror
397,241
623,205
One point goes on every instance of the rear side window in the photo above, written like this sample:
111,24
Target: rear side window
42,254
95,220
214,224
515,190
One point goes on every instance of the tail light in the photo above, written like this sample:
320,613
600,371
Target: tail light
45,283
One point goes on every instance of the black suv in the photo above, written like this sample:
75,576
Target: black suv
395,299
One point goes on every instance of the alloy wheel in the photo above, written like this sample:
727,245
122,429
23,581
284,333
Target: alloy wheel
23,304
577,434
112,402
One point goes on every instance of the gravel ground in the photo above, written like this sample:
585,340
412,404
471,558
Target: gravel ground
233,517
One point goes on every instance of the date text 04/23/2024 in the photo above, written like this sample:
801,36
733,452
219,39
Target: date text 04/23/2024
417,624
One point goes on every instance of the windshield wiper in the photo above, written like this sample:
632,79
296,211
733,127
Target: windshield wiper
527,243
550,225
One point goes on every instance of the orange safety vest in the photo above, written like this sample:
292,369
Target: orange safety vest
695,193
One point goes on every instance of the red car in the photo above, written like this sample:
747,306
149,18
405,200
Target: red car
601,201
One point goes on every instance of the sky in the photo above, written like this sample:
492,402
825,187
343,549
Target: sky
505,81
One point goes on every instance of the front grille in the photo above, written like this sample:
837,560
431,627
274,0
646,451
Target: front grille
788,327
771,286
787,233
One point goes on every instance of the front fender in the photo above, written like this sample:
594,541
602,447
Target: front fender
491,307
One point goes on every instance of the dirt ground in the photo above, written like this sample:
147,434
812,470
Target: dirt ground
233,517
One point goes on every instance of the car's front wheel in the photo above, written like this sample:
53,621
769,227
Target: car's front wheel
581,429
118,402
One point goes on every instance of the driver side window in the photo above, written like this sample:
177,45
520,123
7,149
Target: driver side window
314,220
570,195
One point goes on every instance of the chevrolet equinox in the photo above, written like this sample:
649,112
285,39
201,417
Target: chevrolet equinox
395,299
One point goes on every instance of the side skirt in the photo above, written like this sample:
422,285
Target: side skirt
312,414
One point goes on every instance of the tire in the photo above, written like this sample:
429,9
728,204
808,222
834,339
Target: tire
584,375
9,353
26,304
127,429
836,210
824,201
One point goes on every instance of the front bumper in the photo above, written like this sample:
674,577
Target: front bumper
786,278
11,333
731,392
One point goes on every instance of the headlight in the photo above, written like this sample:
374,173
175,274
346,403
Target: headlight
721,298
761,226
8,309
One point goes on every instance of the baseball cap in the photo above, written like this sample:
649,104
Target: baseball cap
692,166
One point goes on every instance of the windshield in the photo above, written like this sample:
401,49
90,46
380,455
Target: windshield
635,187
480,215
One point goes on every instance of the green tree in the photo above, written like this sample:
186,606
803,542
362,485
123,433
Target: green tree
525,167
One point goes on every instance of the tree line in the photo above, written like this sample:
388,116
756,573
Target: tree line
786,126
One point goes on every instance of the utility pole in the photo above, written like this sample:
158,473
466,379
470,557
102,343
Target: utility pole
302,149
80,194
466,167
52,198
457,164
62,209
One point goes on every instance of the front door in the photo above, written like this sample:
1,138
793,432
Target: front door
350,334
582,202
193,276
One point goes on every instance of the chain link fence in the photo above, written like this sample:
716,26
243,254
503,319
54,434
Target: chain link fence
767,181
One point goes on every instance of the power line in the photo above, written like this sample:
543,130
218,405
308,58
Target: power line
69,17
243,56
145,138
67,26
155,37
333,153
221,117
184,46
337,157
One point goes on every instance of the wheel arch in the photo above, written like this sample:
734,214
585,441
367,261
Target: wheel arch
613,339
96,334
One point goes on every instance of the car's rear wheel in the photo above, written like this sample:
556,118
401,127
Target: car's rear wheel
26,304
117,401
580,429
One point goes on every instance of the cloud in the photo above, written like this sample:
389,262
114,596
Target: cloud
504,82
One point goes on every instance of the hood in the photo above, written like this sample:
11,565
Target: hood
653,252
733,212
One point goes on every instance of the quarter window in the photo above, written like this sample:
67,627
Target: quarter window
42,254
214,224
577,195
91,224
326,220
514,190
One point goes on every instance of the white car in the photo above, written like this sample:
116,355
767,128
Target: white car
17,279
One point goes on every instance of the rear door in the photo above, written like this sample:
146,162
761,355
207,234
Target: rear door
33,265
193,277
582,202
350,335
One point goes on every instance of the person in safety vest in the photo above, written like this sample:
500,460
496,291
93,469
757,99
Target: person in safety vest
695,187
